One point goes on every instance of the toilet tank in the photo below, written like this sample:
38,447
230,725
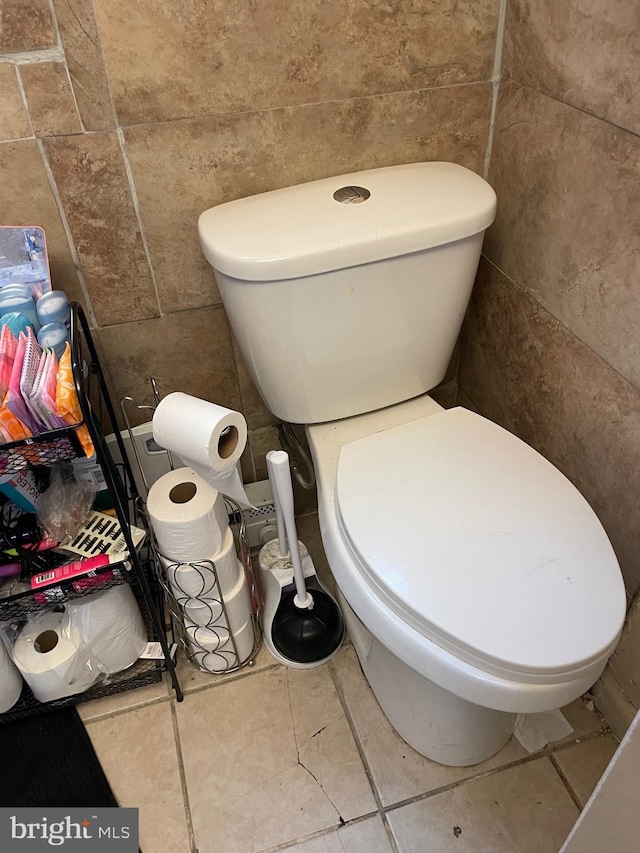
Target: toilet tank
347,294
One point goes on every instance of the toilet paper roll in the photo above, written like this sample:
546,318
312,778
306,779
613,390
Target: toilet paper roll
208,639
50,655
111,625
206,436
207,611
188,516
229,483
202,611
224,657
204,432
10,681
194,579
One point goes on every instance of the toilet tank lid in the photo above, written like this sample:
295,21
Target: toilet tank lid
306,229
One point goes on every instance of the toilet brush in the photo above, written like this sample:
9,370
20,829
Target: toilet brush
307,625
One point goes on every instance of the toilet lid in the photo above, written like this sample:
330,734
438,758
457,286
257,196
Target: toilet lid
481,544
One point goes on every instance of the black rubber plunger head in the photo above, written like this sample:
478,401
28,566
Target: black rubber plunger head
307,635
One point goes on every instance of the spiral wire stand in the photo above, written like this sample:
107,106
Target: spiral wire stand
226,656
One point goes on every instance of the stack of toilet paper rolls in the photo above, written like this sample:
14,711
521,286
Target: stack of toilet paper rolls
60,654
197,549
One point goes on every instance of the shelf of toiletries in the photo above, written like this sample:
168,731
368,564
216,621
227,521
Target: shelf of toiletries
40,418
109,554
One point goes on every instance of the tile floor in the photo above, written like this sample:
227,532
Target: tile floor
271,759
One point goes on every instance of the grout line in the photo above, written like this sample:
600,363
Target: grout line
496,77
237,676
227,113
25,103
107,81
183,778
134,195
321,833
69,234
502,17
252,461
426,795
54,18
117,712
73,95
566,783
363,758
571,106
245,672
216,305
541,304
33,57
546,752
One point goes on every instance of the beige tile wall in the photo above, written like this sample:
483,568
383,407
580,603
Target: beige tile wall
121,121
550,346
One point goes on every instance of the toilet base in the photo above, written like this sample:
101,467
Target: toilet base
433,721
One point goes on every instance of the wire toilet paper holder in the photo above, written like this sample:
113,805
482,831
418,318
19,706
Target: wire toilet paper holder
227,656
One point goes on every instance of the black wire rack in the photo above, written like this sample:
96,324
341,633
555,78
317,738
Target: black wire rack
42,451
142,674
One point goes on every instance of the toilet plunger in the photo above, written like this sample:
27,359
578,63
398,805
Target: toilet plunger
305,627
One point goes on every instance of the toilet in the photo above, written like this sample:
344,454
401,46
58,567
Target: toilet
475,580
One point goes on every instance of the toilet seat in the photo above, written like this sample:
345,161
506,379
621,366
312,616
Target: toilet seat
478,543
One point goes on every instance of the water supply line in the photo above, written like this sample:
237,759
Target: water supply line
290,442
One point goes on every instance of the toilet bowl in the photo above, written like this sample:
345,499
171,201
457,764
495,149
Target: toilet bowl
456,636
476,581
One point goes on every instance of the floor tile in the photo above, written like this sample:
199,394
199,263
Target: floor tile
398,771
584,718
137,751
110,705
524,809
269,759
584,764
366,836
194,679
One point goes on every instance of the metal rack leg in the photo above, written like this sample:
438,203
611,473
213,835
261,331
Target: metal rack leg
158,627
113,480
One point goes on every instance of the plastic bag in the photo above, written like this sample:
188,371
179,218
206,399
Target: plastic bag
12,586
63,508
67,402
51,655
63,652
111,625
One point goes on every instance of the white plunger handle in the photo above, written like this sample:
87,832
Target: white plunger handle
279,461
282,536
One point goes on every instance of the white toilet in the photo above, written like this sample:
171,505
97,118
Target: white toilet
475,580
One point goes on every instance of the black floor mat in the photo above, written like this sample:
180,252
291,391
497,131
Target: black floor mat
48,760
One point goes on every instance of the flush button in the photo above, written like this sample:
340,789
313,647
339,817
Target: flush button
351,195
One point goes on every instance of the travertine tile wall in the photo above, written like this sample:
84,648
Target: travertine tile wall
550,346
124,119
